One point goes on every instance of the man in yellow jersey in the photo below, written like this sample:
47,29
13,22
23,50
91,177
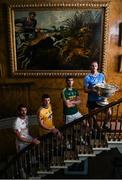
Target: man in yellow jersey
45,117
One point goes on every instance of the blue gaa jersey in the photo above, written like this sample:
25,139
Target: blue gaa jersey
89,81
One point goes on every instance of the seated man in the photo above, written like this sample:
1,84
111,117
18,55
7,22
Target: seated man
45,117
23,138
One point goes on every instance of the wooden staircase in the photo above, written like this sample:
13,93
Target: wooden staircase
80,143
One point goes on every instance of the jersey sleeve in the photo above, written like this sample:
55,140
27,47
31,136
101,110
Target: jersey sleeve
86,82
103,78
77,93
17,125
41,115
63,95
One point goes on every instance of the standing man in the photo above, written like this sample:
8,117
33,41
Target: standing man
45,117
71,100
23,138
94,98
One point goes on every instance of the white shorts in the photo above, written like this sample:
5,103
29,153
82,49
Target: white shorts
21,145
70,118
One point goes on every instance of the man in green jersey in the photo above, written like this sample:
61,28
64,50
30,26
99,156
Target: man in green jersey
71,99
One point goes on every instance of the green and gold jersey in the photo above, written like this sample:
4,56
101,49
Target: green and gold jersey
69,94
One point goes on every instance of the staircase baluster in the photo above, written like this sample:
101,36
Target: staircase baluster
62,151
100,139
81,136
95,137
9,173
66,143
90,137
22,170
48,152
39,154
112,110
101,120
75,135
34,157
56,151
71,136
13,171
85,143
76,138
116,122
43,153
52,150
29,162
120,129
17,169
25,166
81,146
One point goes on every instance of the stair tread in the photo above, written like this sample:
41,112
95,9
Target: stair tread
72,160
114,142
86,155
45,172
59,166
101,148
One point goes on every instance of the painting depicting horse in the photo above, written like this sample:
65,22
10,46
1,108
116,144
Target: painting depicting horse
58,39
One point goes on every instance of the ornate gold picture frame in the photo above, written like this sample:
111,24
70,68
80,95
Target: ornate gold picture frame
57,38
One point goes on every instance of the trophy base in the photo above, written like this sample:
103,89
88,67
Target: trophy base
103,103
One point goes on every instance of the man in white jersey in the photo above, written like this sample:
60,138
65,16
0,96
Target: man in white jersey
23,138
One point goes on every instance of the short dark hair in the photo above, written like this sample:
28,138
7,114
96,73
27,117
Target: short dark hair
21,106
94,61
45,96
69,77
32,13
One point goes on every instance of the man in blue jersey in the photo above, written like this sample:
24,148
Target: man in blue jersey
94,98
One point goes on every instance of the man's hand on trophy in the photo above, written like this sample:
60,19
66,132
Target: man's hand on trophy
97,90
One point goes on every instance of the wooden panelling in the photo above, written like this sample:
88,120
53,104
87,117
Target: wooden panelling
11,96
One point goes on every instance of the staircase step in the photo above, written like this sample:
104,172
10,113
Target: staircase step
83,157
115,144
77,168
71,161
58,167
44,172
34,177
100,149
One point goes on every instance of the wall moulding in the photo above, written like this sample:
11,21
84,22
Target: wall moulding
57,38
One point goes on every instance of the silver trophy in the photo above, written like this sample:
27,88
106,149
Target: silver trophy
105,90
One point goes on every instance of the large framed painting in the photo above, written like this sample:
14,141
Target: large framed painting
57,38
